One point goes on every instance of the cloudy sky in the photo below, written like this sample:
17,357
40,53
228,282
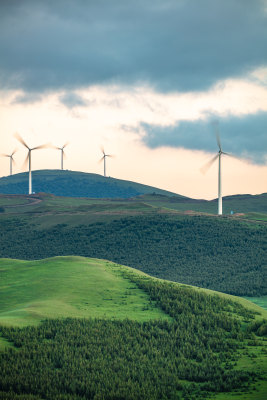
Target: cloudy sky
150,80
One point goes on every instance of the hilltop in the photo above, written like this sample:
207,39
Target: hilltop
69,287
75,184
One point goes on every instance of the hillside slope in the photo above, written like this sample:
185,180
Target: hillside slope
243,203
75,184
151,339
68,287
215,253
86,185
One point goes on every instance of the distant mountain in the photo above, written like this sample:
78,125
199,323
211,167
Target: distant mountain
76,184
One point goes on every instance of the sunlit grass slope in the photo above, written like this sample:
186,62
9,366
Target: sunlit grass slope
69,287
31,291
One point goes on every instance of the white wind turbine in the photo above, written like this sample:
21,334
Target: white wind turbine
11,159
209,164
63,155
104,158
28,158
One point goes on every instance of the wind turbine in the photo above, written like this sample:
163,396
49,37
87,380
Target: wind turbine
209,164
104,158
28,158
62,152
11,159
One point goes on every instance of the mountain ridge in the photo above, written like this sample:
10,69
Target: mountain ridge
76,184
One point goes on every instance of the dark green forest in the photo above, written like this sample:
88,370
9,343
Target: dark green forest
220,254
187,358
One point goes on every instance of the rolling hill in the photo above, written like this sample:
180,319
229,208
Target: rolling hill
75,184
112,332
253,205
80,184
68,287
227,254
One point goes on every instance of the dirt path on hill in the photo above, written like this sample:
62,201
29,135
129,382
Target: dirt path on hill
29,202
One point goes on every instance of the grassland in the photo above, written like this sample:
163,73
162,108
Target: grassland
242,206
81,287
251,208
68,287
260,301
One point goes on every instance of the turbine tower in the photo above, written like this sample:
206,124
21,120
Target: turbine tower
11,159
209,164
104,158
62,152
28,158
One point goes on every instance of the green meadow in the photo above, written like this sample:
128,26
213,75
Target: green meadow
68,287
260,301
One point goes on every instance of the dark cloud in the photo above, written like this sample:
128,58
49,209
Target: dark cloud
241,136
27,98
171,44
72,100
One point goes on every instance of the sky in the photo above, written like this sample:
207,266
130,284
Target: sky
150,81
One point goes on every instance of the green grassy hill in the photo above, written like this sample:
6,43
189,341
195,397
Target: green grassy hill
80,287
75,184
112,332
68,287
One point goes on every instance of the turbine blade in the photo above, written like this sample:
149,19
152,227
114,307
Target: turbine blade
19,138
42,146
102,149
218,139
25,162
232,156
205,167
64,154
8,155
101,159
66,144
